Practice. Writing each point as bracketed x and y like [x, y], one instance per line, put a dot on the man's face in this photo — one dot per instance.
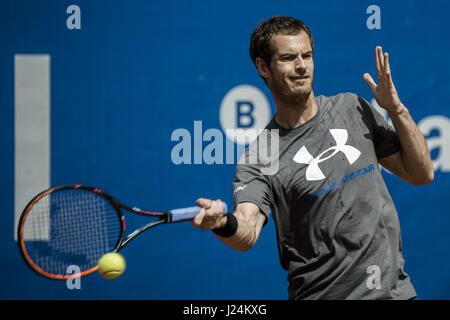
[291, 69]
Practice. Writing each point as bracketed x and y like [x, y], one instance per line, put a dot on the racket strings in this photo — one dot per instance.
[70, 227]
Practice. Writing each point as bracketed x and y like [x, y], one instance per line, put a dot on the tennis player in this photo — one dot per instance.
[337, 228]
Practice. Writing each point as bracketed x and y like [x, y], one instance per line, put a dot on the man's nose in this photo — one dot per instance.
[300, 64]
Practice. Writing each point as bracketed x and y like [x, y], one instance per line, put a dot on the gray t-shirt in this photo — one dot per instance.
[337, 228]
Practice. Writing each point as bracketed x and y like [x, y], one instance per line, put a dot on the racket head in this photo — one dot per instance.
[69, 225]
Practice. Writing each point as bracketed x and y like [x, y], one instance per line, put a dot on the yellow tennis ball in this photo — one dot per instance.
[111, 265]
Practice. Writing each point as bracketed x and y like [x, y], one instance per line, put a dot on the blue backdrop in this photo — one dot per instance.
[138, 70]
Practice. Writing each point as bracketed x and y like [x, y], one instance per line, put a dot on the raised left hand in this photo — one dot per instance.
[384, 92]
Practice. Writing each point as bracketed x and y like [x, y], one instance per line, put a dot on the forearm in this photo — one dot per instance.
[415, 154]
[247, 232]
[240, 231]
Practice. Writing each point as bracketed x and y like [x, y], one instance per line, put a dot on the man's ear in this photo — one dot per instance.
[263, 68]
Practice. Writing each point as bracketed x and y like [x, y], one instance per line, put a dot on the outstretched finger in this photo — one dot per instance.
[370, 82]
[387, 68]
[377, 63]
[380, 59]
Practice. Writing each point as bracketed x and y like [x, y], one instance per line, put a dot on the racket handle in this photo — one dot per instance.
[185, 214]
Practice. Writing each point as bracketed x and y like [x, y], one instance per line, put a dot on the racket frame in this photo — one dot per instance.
[164, 217]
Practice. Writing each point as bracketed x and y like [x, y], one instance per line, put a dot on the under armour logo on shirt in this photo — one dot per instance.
[313, 171]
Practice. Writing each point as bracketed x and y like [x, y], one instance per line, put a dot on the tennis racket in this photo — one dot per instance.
[76, 225]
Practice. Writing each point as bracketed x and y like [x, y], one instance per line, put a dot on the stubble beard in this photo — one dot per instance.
[295, 99]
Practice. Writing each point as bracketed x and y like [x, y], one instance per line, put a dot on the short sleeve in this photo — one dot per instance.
[384, 136]
[250, 185]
